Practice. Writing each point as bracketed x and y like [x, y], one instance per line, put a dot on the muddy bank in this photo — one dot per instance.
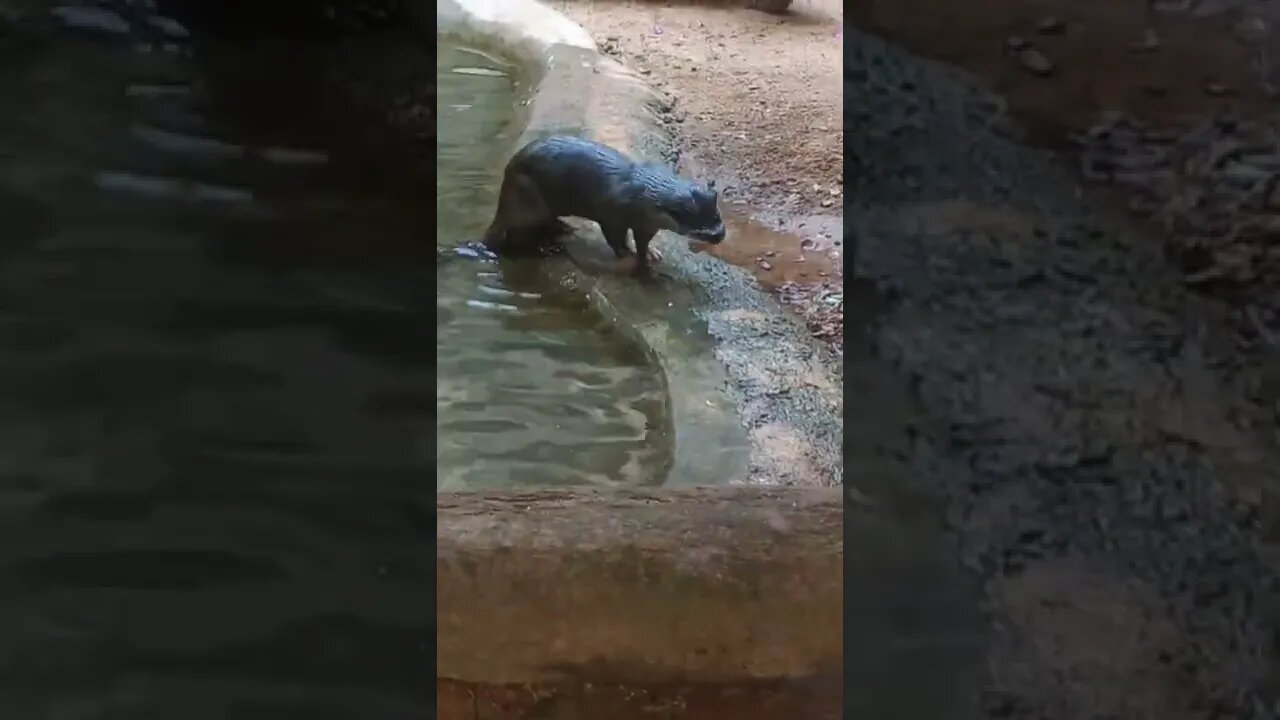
[1099, 442]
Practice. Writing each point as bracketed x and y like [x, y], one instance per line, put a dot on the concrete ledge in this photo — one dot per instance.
[695, 585]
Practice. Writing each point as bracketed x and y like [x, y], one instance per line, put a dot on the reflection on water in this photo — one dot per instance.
[214, 392]
[532, 387]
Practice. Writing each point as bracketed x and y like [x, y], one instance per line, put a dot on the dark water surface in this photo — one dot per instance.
[215, 391]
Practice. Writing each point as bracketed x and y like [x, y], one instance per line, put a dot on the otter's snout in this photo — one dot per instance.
[713, 236]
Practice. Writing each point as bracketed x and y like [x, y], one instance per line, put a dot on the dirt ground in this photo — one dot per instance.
[758, 100]
[1100, 421]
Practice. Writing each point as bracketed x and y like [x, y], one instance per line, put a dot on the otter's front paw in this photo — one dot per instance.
[655, 255]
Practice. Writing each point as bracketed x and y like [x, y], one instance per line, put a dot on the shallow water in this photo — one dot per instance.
[214, 315]
[534, 388]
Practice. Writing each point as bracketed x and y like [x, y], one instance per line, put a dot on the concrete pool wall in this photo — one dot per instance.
[543, 586]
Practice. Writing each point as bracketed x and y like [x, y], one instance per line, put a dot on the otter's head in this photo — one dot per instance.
[694, 212]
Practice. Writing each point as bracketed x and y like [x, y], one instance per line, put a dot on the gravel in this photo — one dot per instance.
[1099, 430]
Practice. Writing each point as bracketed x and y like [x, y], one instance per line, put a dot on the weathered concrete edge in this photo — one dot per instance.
[639, 587]
[787, 389]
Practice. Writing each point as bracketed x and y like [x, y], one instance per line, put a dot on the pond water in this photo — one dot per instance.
[533, 387]
[215, 390]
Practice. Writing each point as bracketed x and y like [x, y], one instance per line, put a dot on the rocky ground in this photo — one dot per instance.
[1096, 370]
[757, 99]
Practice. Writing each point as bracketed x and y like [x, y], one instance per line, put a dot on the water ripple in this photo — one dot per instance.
[213, 390]
[532, 386]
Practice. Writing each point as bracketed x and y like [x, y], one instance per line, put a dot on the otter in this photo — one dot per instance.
[563, 176]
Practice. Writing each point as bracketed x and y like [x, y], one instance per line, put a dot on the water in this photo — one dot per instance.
[533, 387]
[214, 391]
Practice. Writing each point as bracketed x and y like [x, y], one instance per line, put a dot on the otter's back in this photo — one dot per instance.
[575, 176]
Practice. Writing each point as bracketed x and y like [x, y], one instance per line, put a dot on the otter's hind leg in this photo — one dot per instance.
[521, 217]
